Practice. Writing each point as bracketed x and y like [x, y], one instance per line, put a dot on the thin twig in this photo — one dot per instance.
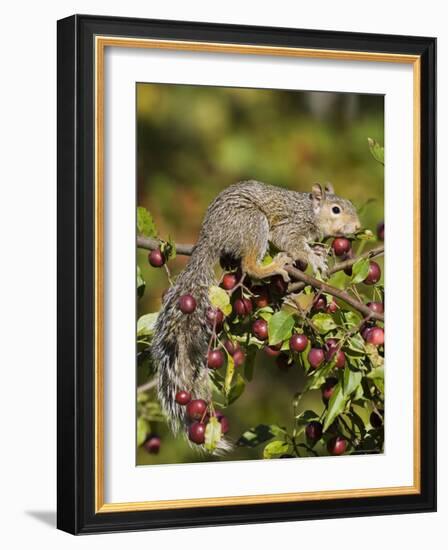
[147, 386]
[340, 266]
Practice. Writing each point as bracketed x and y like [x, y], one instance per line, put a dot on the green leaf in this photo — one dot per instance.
[352, 318]
[168, 249]
[172, 252]
[219, 299]
[145, 223]
[145, 324]
[377, 373]
[213, 434]
[236, 390]
[280, 326]
[360, 270]
[359, 394]
[318, 377]
[229, 375]
[335, 406]
[377, 376]
[143, 429]
[356, 345]
[323, 322]
[351, 381]
[265, 313]
[141, 284]
[255, 436]
[305, 417]
[366, 235]
[304, 357]
[275, 449]
[375, 358]
[358, 422]
[376, 150]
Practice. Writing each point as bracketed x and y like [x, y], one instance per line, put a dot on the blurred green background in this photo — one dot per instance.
[193, 141]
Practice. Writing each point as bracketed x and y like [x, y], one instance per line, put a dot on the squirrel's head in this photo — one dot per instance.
[334, 215]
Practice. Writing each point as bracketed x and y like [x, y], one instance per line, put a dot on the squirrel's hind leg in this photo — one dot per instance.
[254, 245]
[252, 265]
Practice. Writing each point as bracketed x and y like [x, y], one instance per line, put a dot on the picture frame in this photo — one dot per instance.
[82, 195]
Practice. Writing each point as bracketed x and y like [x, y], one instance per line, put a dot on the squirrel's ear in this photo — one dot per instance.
[329, 188]
[317, 195]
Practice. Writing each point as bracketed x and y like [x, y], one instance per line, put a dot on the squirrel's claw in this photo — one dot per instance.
[281, 260]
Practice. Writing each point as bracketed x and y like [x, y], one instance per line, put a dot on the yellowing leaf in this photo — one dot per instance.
[219, 299]
[213, 434]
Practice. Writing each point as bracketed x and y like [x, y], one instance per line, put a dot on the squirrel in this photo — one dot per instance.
[239, 223]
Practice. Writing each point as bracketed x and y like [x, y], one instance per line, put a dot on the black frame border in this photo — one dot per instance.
[76, 262]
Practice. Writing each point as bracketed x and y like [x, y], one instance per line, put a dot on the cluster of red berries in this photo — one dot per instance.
[198, 415]
[198, 411]
[342, 247]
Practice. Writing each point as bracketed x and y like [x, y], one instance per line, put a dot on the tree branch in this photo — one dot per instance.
[373, 253]
[336, 292]
[151, 244]
[186, 249]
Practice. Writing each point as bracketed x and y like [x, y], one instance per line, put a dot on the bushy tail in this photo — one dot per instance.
[180, 343]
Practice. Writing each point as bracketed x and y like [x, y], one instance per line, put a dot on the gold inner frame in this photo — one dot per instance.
[101, 42]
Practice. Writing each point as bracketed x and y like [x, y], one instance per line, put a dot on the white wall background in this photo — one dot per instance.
[28, 270]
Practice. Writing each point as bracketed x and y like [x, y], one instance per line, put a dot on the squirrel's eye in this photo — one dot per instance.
[336, 210]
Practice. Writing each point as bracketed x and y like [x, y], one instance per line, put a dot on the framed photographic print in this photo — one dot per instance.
[246, 274]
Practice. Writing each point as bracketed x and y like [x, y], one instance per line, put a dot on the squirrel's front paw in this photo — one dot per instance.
[280, 261]
[319, 262]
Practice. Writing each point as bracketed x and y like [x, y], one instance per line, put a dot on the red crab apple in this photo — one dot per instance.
[152, 444]
[261, 296]
[224, 421]
[298, 342]
[242, 307]
[279, 284]
[229, 281]
[316, 357]
[215, 359]
[273, 351]
[156, 258]
[196, 409]
[314, 430]
[183, 397]
[341, 246]
[331, 349]
[375, 336]
[187, 303]
[328, 388]
[231, 346]
[196, 432]
[239, 357]
[374, 274]
[377, 307]
[215, 317]
[260, 329]
[337, 445]
[320, 303]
